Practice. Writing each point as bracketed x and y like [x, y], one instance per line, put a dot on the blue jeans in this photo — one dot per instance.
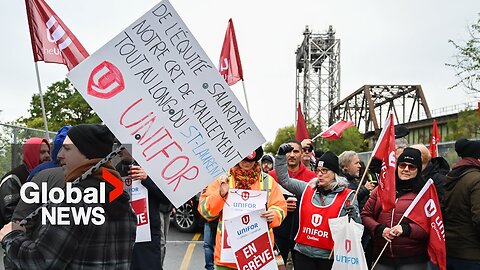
[208, 244]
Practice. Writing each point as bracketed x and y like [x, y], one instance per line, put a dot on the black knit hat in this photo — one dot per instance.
[411, 155]
[330, 161]
[93, 141]
[267, 158]
[255, 155]
[466, 148]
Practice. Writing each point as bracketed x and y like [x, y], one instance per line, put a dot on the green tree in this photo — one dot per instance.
[283, 134]
[466, 126]
[63, 106]
[352, 139]
[467, 66]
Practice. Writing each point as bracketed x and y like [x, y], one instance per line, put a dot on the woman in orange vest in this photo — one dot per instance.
[247, 174]
[324, 197]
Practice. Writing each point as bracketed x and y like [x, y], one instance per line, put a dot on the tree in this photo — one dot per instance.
[283, 134]
[63, 106]
[466, 126]
[468, 60]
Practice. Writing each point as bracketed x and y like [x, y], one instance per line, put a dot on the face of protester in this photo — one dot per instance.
[246, 165]
[294, 157]
[267, 166]
[70, 157]
[44, 152]
[306, 156]
[353, 168]
[406, 170]
[325, 177]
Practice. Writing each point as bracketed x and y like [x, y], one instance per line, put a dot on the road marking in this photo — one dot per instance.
[189, 252]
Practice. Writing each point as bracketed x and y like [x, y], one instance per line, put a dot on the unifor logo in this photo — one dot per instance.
[245, 195]
[105, 81]
[348, 245]
[430, 208]
[316, 220]
[54, 35]
[245, 219]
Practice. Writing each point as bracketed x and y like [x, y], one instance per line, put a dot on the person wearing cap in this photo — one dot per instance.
[326, 195]
[267, 163]
[248, 175]
[407, 241]
[461, 208]
[285, 233]
[106, 245]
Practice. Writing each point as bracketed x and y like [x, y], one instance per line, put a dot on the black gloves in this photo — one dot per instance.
[351, 213]
[284, 149]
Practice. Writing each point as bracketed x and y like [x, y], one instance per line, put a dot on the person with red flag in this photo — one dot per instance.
[461, 205]
[407, 240]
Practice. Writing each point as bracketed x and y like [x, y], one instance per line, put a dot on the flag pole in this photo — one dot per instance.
[41, 102]
[384, 247]
[246, 99]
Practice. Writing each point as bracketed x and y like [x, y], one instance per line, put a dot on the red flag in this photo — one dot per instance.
[434, 140]
[385, 151]
[335, 131]
[302, 132]
[425, 212]
[52, 41]
[230, 66]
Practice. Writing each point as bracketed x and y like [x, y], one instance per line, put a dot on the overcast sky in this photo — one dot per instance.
[382, 42]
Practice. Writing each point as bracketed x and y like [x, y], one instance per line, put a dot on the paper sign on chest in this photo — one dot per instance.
[156, 89]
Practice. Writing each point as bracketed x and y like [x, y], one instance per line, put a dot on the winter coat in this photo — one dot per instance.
[297, 187]
[410, 247]
[437, 169]
[10, 192]
[461, 215]
[289, 227]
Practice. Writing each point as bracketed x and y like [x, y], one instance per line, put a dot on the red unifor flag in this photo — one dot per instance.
[425, 212]
[385, 151]
[52, 41]
[335, 131]
[434, 140]
[301, 132]
[230, 66]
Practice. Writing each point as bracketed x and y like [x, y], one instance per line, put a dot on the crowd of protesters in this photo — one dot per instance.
[300, 181]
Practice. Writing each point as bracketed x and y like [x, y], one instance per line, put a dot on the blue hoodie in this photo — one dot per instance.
[57, 145]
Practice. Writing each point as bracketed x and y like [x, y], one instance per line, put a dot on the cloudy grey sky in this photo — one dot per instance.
[382, 42]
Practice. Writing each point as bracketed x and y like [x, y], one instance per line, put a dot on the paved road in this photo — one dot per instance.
[184, 250]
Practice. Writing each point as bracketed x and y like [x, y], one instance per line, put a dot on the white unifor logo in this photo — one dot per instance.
[430, 208]
[57, 34]
[316, 220]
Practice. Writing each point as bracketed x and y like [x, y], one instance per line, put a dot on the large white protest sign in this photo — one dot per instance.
[156, 89]
[140, 207]
[252, 246]
[239, 202]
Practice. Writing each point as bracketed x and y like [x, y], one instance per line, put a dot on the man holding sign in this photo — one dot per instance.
[246, 175]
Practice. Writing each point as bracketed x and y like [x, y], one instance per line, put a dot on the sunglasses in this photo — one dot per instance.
[308, 150]
[322, 170]
[404, 165]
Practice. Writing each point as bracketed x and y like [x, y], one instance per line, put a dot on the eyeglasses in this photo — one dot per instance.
[404, 165]
[322, 170]
[308, 150]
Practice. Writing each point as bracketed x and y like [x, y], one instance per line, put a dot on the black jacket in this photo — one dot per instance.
[10, 192]
[437, 169]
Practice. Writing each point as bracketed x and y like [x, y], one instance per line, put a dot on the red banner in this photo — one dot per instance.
[302, 131]
[425, 212]
[230, 66]
[434, 140]
[336, 130]
[385, 151]
[140, 209]
[52, 41]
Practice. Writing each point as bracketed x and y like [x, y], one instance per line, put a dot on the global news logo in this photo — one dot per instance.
[84, 206]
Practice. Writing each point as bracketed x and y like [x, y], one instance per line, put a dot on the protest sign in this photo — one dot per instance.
[252, 246]
[156, 89]
[239, 202]
[140, 207]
